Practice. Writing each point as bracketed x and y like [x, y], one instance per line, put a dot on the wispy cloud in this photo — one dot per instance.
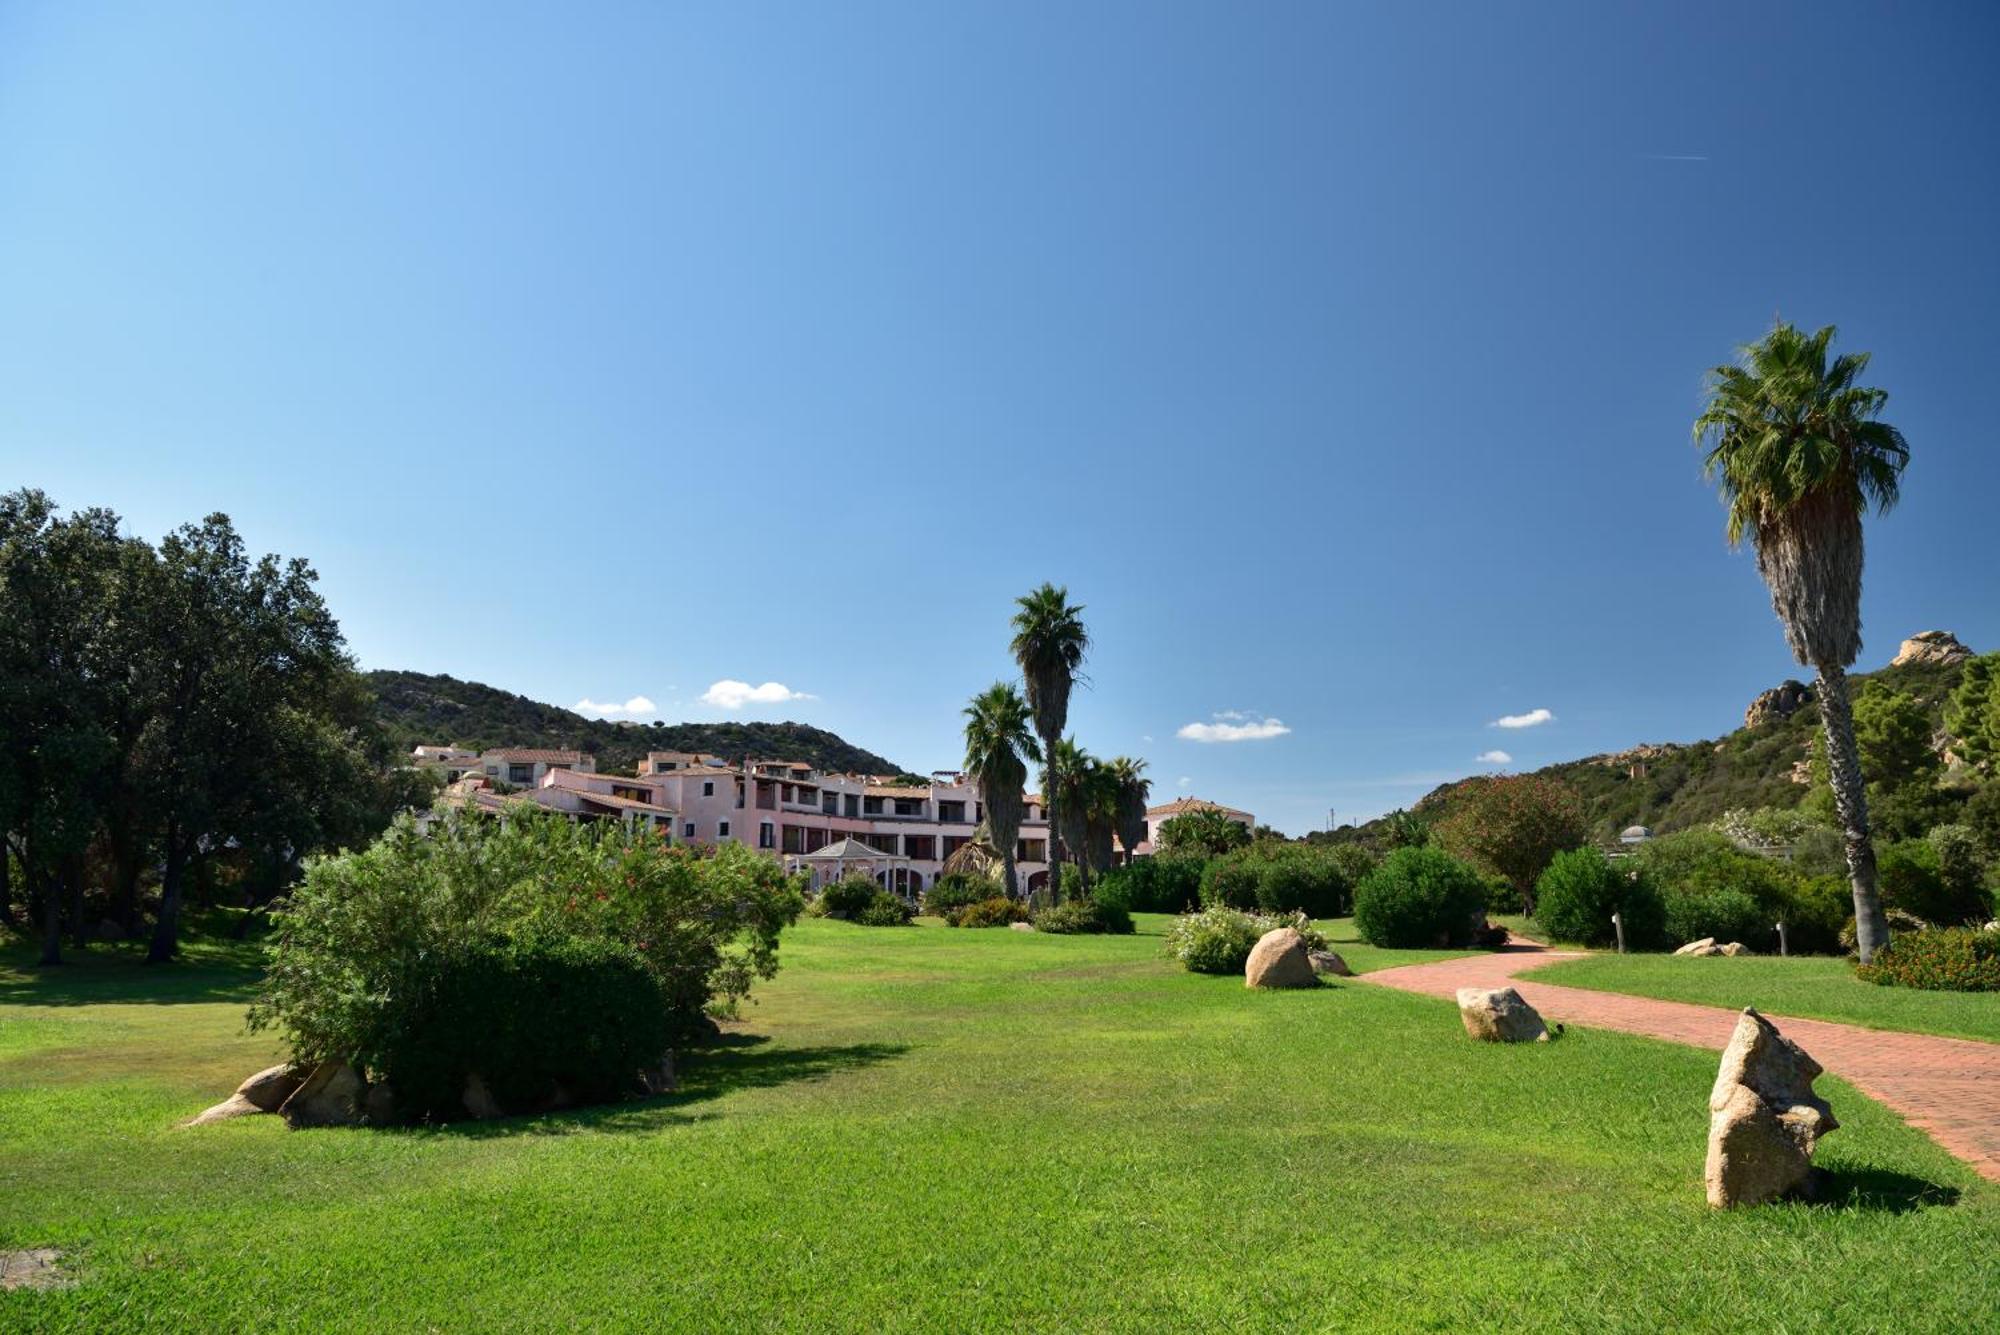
[1183, 781]
[638, 706]
[1495, 758]
[1534, 718]
[1233, 725]
[732, 694]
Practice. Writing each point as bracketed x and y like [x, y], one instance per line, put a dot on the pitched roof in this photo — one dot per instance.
[1182, 805]
[536, 754]
[849, 850]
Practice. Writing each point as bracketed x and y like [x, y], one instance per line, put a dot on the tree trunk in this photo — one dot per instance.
[1850, 803]
[73, 877]
[51, 918]
[166, 931]
[1010, 878]
[7, 918]
[1049, 814]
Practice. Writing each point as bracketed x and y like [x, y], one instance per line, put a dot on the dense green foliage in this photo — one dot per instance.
[358, 942]
[535, 1020]
[1944, 959]
[1581, 889]
[996, 912]
[845, 897]
[1512, 825]
[418, 707]
[182, 725]
[1278, 876]
[1161, 883]
[955, 890]
[1203, 832]
[1420, 896]
[1085, 916]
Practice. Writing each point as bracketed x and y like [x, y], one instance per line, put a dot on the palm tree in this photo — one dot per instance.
[1798, 454]
[1134, 789]
[1049, 644]
[1073, 787]
[999, 744]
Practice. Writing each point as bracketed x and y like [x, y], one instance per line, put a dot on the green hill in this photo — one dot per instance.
[1676, 786]
[417, 708]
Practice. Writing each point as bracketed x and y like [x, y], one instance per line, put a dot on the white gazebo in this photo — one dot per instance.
[831, 863]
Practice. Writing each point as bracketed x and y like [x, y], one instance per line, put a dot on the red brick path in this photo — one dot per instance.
[1950, 1087]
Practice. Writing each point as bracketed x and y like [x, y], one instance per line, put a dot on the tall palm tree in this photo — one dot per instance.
[1070, 790]
[999, 744]
[1049, 644]
[1134, 789]
[1100, 816]
[1799, 454]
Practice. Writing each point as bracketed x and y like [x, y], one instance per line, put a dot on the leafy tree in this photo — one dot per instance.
[1203, 831]
[1972, 715]
[1049, 645]
[1405, 829]
[1513, 825]
[999, 745]
[1893, 732]
[1799, 452]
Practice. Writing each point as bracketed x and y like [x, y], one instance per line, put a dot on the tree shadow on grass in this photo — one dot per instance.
[119, 976]
[1881, 1190]
[731, 1063]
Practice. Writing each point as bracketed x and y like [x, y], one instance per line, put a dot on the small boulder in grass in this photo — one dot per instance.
[1705, 946]
[1764, 1118]
[1735, 948]
[1327, 962]
[1279, 959]
[329, 1096]
[1500, 1015]
[232, 1107]
[270, 1087]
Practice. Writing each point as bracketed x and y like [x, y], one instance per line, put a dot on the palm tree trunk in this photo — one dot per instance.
[1009, 878]
[1049, 814]
[1850, 803]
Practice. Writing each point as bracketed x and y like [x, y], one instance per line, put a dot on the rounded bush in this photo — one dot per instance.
[1230, 881]
[1216, 940]
[1420, 896]
[1163, 883]
[1946, 959]
[846, 897]
[885, 910]
[955, 890]
[996, 912]
[527, 1017]
[1916, 879]
[1576, 896]
[1726, 915]
[1082, 916]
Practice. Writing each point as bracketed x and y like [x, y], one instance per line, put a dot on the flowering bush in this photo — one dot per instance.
[359, 944]
[1946, 959]
[1219, 939]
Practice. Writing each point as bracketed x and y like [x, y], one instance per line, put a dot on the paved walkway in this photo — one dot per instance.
[1950, 1087]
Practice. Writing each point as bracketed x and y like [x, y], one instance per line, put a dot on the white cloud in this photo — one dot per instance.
[637, 706]
[1183, 781]
[1534, 718]
[1495, 758]
[731, 694]
[1146, 737]
[1233, 725]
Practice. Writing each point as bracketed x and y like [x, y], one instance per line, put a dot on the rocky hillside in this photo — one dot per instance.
[1674, 786]
[415, 707]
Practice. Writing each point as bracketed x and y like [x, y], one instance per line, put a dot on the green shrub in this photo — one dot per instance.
[529, 1018]
[1280, 877]
[885, 910]
[1163, 883]
[1946, 959]
[955, 890]
[1230, 881]
[1937, 878]
[1726, 915]
[1219, 939]
[1820, 907]
[1420, 896]
[359, 944]
[1084, 916]
[997, 912]
[846, 897]
[1576, 896]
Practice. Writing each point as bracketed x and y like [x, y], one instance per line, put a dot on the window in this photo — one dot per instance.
[708, 788]
[830, 803]
[722, 830]
[909, 807]
[871, 806]
[520, 774]
[853, 806]
[687, 830]
[951, 813]
[764, 835]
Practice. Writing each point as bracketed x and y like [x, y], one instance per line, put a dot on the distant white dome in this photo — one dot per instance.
[1634, 834]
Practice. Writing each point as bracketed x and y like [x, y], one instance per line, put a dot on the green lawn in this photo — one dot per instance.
[928, 1129]
[1814, 987]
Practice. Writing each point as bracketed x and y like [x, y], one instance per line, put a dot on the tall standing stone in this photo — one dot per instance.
[1764, 1118]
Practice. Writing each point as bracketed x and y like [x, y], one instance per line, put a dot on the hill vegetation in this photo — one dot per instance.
[416, 707]
[1679, 786]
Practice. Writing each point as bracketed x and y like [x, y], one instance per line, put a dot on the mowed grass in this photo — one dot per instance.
[1813, 987]
[925, 1129]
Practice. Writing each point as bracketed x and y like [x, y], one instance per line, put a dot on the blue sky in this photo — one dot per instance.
[1340, 359]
